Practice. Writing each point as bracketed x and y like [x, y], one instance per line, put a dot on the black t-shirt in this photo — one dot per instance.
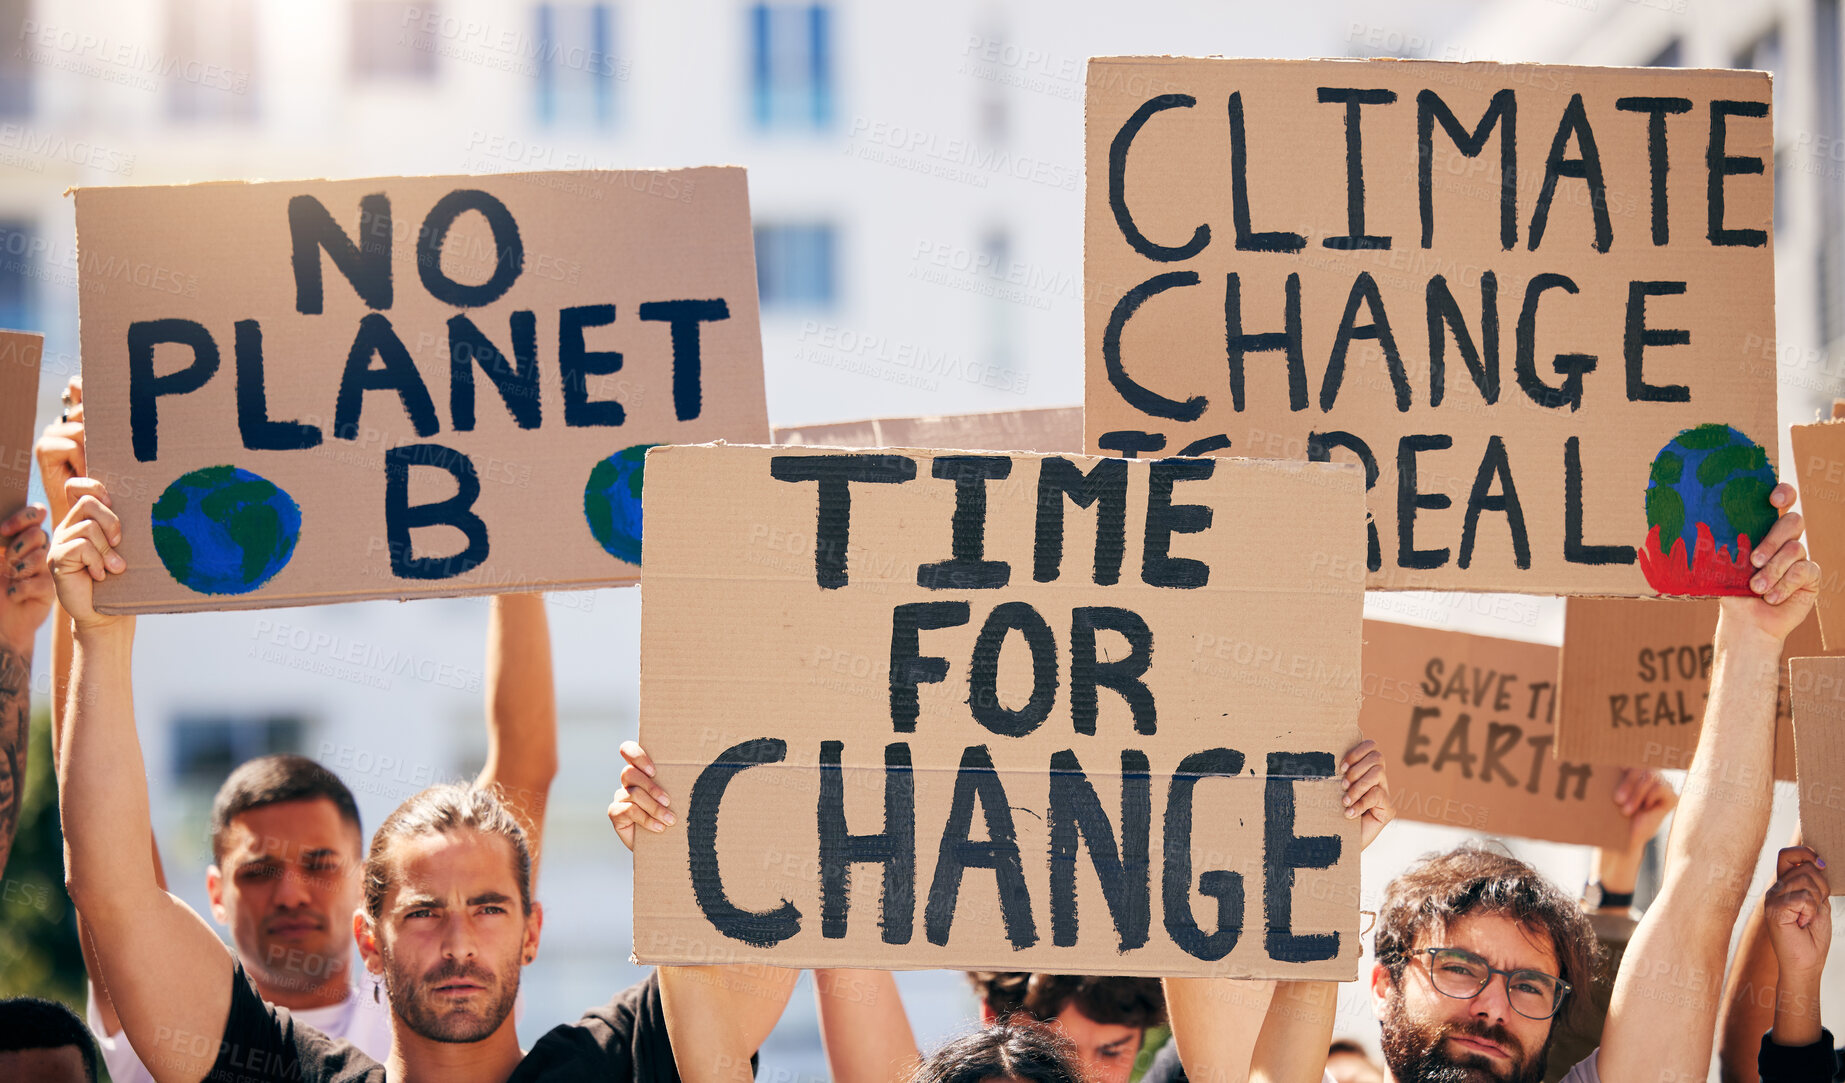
[624, 1040]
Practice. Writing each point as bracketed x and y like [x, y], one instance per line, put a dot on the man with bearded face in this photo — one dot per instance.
[1480, 961]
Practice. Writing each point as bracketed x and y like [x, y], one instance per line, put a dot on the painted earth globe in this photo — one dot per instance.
[224, 530]
[612, 502]
[1706, 509]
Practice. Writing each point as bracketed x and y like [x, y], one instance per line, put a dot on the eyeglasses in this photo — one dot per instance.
[1461, 974]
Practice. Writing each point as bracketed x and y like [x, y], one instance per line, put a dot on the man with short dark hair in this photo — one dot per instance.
[42, 1041]
[1479, 957]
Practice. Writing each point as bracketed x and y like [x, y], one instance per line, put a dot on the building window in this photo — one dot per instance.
[1001, 315]
[394, 41]
[1764, 54]
[19, 259]
[577, 68]
[1671, 56]
[795, 265]
[206, 749]
[1829, 117]
[16, 61]
[791, 66]
[212, 44]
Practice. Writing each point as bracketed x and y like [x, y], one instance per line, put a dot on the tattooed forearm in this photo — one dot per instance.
[15, 704]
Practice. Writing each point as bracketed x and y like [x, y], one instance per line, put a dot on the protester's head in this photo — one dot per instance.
[1347, 1062]
[449, 918]
[1103, 1017]
[1028, 1053]
[1444, 1015]
[286, 850]
[42, 1041]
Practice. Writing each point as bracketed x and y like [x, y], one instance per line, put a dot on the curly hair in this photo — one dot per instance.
[1129, 1002]
[1029, 1052]
[1475, 879]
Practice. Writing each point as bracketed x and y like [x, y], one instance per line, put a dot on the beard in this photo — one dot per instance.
[442, 1018]
[1417, 1052]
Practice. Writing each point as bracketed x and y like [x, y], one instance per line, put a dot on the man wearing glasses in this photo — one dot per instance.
[1449, 930]
[1479, 958]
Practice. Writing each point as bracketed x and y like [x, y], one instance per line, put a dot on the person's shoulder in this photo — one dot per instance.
[263, 1042]
[367, 1025]
[624, 1039]
[1587, 1070]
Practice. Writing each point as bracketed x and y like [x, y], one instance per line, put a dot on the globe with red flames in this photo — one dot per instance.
[1706, 509]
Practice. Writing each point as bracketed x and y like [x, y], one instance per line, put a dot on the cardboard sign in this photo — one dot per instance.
[1819, 460]
[1636, 676]
[1054, 429]
[319, 391]
[1518, 295]
[1819, 733]
[1466, 725]
[20, 352]
[1053, 713]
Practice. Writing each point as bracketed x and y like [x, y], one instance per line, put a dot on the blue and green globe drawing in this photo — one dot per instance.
[1706, 509]
[224, 530]
[612, 502]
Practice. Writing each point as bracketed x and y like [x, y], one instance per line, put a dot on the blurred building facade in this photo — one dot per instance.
[916, 177]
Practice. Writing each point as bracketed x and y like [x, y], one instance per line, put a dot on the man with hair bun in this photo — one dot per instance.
[1107, 1019]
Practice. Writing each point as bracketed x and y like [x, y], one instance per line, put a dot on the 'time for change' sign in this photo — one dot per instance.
[976, 710]
[1535, 303]
[318, 391]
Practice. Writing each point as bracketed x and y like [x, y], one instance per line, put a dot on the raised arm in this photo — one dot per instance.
[1798, 916]
[521, 712]
[863, 1027]
[166, 971]
[1663, 1015]
[1748, 1008]
[717, 1016]
[1275, 1032]
[60, 452]
[23, 606]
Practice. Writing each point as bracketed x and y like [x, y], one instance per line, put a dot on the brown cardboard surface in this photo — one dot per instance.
[1466, 725]
[1819, 733]
[1053, 429]
[1176, 275]
[1635, 678]
[740, 643]
[1819, 461]
[221, 254]
[20, 352]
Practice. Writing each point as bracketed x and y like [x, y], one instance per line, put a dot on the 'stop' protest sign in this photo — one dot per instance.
[1505, 290]
[317, 391]
[20, 355]
[934, 709]
[1636, 679]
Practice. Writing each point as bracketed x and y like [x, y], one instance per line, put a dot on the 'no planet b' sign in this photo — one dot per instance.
[320, 391]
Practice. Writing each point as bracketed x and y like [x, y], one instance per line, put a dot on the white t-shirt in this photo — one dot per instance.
[358, 1019]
